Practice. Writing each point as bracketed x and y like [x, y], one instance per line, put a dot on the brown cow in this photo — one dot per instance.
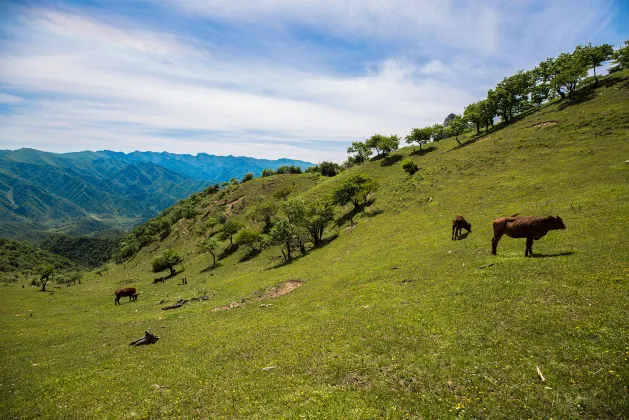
[126, 291]
[531, 228]
[458, 224]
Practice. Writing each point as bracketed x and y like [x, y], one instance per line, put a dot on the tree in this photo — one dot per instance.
[282, 193]
[355, 190]
[593, 57]
[282, 234]
[420, 136]
[457, 127]
[249, 238]
[230, 228]
[248, 177]
[389, 144]
[375, 142]
[409, 166]
[267, 172]
[295, 210]
[46, 273]
[264, 213]
[167, 261]
[571, 69]
[621, 56]
[210, 224]
[318, 215]
[473, 113]
[329, 169]
[361, 150]
[210, 245]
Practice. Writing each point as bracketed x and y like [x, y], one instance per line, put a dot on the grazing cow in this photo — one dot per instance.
[126, 291]
[458, 224]
[531, 228]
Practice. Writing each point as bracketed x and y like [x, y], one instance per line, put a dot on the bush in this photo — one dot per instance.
[268, 172]
[248, 177]
[409, 166]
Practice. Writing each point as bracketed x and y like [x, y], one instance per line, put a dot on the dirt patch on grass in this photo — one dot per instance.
[271, 293]
[544, 124]
[230, 205]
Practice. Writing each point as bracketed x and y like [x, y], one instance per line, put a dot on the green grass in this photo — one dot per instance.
[394, 318]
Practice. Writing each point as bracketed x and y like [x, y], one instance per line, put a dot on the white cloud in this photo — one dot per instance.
[79, 82]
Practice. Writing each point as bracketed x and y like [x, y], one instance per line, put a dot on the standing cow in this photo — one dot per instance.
[126, 291]
[458, 224]
[531, 228]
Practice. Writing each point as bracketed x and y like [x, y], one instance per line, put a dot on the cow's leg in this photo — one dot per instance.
[453, 232]
[494, 242]
[117, 301]
[529, 247]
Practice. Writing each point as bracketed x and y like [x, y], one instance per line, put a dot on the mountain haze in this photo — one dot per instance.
[85, 192]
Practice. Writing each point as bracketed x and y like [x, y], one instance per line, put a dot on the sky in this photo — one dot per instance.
[297, 79]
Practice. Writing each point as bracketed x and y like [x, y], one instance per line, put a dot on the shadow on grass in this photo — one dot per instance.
[326, 241]
[390, 160]
[423, 151]
[250, 255]
[462, 236]
[373, 213]
[347, 217]
[211, 268]
[228, 251]
[558, 254]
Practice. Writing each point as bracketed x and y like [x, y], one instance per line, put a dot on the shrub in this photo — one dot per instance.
[409, 166]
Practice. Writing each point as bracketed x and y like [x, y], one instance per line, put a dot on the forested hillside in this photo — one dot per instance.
[386, 316]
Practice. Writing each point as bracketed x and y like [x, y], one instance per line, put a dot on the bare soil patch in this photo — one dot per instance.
[271, 293]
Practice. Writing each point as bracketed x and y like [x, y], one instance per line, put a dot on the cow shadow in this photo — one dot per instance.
[557, 254]
[462, 236]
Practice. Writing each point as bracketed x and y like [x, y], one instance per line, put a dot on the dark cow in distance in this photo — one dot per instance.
[531, 228]
[126, 291]
[458, 224]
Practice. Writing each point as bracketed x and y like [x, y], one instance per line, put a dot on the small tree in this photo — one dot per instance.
[355, 190]
[621, 56]
[361, 153]
[318, 215]
[210, 245]
[249, 238]
[473, 114]
[267, 172]
[283, 235]
[409, 166]
[389, 144]
[282, 193]
[230, 228]
[248, 177]
[46, 273]
[593, 57]
[457, 127]
[264, 213]
[210, 224]
[295, 210]
[167, 261]
[329, 168]
[420, 136]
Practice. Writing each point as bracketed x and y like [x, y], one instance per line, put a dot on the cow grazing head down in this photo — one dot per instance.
[556, 223]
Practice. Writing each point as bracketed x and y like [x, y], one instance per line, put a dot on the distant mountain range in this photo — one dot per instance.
[86, 192]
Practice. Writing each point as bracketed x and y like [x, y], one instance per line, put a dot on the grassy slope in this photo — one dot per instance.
[394, 318]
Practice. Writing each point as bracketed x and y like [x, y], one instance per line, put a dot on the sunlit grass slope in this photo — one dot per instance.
[394, 318]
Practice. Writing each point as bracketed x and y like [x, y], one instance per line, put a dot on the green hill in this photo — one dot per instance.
[392, 318]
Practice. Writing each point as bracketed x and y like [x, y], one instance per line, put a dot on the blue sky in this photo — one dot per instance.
[266, 78]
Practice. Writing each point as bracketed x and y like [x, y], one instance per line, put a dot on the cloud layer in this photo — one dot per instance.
[264, 78]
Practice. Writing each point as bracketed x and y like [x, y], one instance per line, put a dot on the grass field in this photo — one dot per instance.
[393, 319]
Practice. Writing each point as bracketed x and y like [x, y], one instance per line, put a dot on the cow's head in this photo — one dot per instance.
[556, 222]
[468, 227]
